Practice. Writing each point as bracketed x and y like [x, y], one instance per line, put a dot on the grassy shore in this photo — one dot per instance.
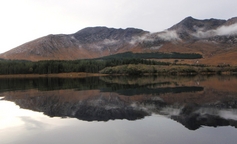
[141, 69]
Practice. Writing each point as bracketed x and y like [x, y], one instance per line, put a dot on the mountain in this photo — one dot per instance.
[215, 39]
[86, 43]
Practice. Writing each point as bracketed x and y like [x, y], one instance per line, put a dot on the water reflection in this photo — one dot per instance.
[192, 101]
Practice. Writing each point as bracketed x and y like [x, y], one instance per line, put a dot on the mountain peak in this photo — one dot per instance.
[189, 18]
[97, 29]
[95, 34]
[190, 25]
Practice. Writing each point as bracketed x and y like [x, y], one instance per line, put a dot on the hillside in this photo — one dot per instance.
[214, 39]
[86, 43]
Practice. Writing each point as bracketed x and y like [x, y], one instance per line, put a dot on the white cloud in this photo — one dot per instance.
[227, 30]
[168, 35]
[221, 31]
[109, 42]
[138, 39]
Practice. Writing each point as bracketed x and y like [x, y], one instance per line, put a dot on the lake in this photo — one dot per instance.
[119, 110]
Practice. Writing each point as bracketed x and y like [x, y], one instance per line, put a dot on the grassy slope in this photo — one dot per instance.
[163, 69]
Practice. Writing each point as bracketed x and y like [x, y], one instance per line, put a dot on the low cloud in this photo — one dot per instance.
[221, 31]
[227, 30]
[165, 36]
[169, 35]
[138, 39]
[109, 42]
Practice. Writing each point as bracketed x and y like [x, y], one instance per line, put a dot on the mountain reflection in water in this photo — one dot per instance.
[191, 101]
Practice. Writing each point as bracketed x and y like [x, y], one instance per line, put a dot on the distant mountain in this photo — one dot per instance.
[215, 39]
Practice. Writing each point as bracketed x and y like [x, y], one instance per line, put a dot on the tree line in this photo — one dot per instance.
[59, 66]
[155, 55]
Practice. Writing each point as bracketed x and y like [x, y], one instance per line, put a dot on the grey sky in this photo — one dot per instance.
[25, 20]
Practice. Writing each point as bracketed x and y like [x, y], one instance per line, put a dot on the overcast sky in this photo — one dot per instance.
[26, 20]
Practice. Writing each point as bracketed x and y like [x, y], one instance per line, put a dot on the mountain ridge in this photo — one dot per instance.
[209, 37]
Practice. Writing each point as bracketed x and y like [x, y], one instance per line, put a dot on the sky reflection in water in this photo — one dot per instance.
[34, 127]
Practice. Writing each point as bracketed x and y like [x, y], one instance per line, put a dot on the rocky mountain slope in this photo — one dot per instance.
[215, 39]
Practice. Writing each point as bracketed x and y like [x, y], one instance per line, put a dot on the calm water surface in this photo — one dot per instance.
[119, 110]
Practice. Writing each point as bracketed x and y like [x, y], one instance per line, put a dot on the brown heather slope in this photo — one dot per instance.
[213, 54]
[225, 58]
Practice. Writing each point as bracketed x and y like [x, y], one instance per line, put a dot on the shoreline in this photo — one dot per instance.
[83, 75]
[59, 75]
